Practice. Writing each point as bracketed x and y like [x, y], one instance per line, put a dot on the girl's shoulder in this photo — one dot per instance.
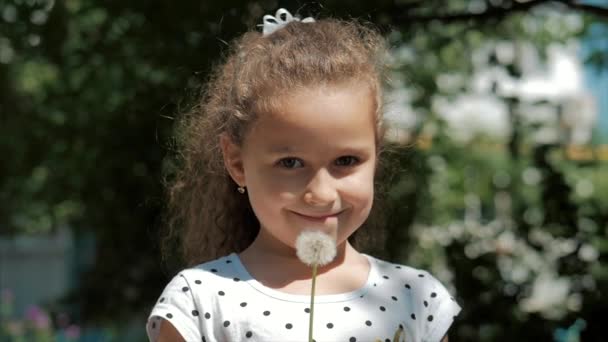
[431, 307]
[418, 284]
[187, 296]
[402, 272]
[213, 270]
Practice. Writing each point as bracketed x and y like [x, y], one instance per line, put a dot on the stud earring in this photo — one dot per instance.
[241, 189]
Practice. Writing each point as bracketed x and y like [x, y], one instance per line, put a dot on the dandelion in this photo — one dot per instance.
[314, 248]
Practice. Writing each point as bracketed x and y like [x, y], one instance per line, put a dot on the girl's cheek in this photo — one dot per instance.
[362, 192]
[286, 196]
[362, 182]
[282, 184]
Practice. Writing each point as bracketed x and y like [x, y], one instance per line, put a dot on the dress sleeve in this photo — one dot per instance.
[441, 307]
[176, 305]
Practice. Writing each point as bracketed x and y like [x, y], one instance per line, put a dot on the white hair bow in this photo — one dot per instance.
[281, 18]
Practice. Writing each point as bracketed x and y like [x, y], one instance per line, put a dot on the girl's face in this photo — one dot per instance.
[310, 165]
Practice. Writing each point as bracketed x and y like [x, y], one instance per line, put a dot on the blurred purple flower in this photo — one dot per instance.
[38, 316]
[72, 332]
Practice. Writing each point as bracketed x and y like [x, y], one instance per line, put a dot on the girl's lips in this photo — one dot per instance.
[317, 217]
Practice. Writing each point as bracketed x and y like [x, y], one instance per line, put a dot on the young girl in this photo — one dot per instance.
[287, 138]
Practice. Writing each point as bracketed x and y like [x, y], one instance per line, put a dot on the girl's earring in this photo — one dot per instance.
[241, 189]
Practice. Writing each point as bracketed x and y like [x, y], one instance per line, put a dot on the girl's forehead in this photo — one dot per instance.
[355, 87]
[323, 97]
[344, 114]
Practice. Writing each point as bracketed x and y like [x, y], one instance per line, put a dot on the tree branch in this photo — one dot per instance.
[498, 12]
[494, 12]
[591, 9]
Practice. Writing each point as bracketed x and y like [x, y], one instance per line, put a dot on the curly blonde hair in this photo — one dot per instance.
[205, 216]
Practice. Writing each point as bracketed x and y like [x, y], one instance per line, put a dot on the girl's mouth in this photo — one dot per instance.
[318, 217]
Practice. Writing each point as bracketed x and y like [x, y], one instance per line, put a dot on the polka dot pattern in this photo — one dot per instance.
[221, 297]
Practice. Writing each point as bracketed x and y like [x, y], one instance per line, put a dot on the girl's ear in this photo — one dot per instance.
[233, 159]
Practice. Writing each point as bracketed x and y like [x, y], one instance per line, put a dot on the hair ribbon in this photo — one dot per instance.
[281, 18]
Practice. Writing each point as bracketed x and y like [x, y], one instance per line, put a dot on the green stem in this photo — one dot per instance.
[312, 301]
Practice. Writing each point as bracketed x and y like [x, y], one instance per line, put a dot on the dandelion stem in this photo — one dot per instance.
[397, 337]
[312, 301]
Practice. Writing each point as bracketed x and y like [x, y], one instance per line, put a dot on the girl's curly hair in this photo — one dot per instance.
[205, 216]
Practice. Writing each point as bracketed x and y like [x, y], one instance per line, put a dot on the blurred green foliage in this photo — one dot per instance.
[88, 90]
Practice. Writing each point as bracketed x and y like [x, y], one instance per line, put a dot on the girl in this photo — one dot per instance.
[287, 138]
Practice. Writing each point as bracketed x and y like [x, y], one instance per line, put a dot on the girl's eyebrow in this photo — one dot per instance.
[281, 149]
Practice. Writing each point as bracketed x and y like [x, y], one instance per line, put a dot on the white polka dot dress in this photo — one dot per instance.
[220, 301]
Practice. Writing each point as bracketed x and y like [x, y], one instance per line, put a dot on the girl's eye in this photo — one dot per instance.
[347, 161]
[290, 163]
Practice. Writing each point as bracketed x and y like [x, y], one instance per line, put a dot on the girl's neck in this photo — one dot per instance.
[279, 270]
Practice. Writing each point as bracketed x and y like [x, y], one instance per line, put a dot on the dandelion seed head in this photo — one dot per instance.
[315, 247]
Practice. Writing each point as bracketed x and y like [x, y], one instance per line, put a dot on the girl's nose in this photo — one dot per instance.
[321, 189]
